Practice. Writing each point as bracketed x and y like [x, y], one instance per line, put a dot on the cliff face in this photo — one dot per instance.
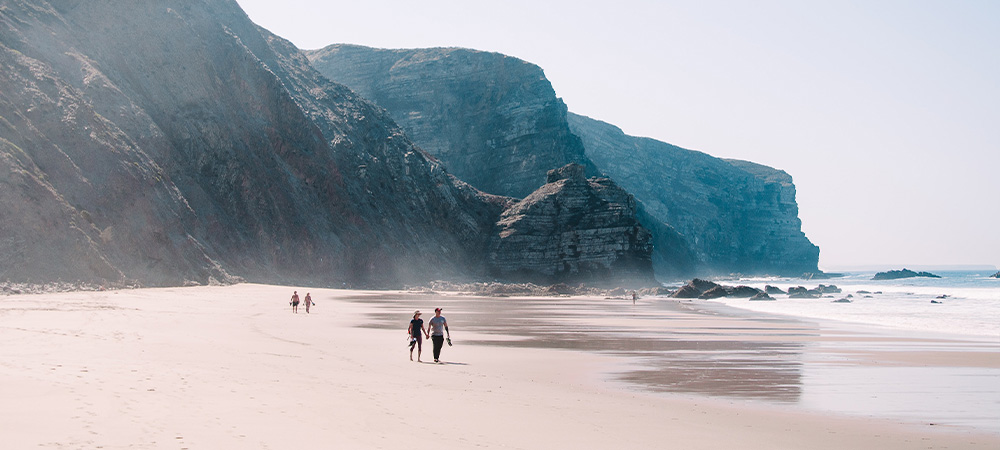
[176, 141]
[493, 120]
[496, 121]
[737, 216]
[573, 228]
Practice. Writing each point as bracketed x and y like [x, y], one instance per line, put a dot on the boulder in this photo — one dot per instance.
[694, 288]
[761, 296]
[802, 292]
[744, 292]
[831, 289]
[686, 291]
[996, 275]
[716, 292]
[773, 290]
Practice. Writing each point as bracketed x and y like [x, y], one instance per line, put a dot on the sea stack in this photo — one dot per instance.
[572, 228]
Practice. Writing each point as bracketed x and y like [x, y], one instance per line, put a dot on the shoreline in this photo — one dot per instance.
[214, 367]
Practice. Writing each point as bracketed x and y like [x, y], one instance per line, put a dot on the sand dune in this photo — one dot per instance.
[232, 367]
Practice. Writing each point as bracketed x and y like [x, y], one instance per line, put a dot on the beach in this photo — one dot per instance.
[233, 367]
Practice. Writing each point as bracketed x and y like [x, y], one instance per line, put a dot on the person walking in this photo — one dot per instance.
[438, 328]
[295, 302]
[309, 302]
[415, 333]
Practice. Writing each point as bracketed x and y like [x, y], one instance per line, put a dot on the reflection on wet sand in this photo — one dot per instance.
[667, 348]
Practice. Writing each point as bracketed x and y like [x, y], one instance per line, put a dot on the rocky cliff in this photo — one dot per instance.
[175, 141]
[737, 216]
[573, 228]
[492, 119]
[496, 120]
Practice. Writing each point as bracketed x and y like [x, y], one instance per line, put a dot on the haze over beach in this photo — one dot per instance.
[177, 178]
[883, 112]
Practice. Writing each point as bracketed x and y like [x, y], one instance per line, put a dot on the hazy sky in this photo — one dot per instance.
[886, 113]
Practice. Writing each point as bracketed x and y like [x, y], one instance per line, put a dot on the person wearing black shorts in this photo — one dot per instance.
[415, 333]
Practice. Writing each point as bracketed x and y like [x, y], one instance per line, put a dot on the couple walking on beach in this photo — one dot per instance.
[436, 329]
[295, 302]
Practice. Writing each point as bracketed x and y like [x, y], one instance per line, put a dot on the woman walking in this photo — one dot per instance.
[309, 302]
[415, 333]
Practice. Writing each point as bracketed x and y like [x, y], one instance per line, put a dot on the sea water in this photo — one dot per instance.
[960, 302]
[966, 303]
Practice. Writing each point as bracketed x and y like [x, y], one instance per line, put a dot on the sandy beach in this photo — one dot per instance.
[232, 367]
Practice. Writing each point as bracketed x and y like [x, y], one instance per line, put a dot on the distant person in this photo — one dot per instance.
[634, 295]
[295, 302]
[438, 326]
[416, 334]
[309, 302]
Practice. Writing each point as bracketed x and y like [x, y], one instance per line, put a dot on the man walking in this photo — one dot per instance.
[439, 327]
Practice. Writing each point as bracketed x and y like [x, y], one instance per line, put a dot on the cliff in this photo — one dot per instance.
[496, 121]
[572, 229]
[492, 119]
[737, 216]
[173, 142]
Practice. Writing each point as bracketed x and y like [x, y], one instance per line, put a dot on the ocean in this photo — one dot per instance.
[970, 303]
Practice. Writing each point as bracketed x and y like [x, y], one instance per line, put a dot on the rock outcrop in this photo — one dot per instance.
[773, 290]
[730, 291]
[492, 119]
[996, 275]
[173, 142]
[495, 122]
[905, 273]
[695, 288]
[803, 292]
[573, 228]
[737, 216]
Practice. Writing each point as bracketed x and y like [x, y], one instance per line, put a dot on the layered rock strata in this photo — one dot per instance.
[573, 228]
[736, 216]
[175, 141]
[494, 120]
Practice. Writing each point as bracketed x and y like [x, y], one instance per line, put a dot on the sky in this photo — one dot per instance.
[886, 113]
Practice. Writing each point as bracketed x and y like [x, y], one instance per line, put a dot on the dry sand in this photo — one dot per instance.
[232, 367]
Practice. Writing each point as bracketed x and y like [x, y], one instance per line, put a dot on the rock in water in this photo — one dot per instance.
[773, 290]
[716, 292]
[695, 288]
[905, 273]
[802, 292]
[996, 275]
[573, 228]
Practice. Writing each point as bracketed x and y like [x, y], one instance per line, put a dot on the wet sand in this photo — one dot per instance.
[232, 367]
